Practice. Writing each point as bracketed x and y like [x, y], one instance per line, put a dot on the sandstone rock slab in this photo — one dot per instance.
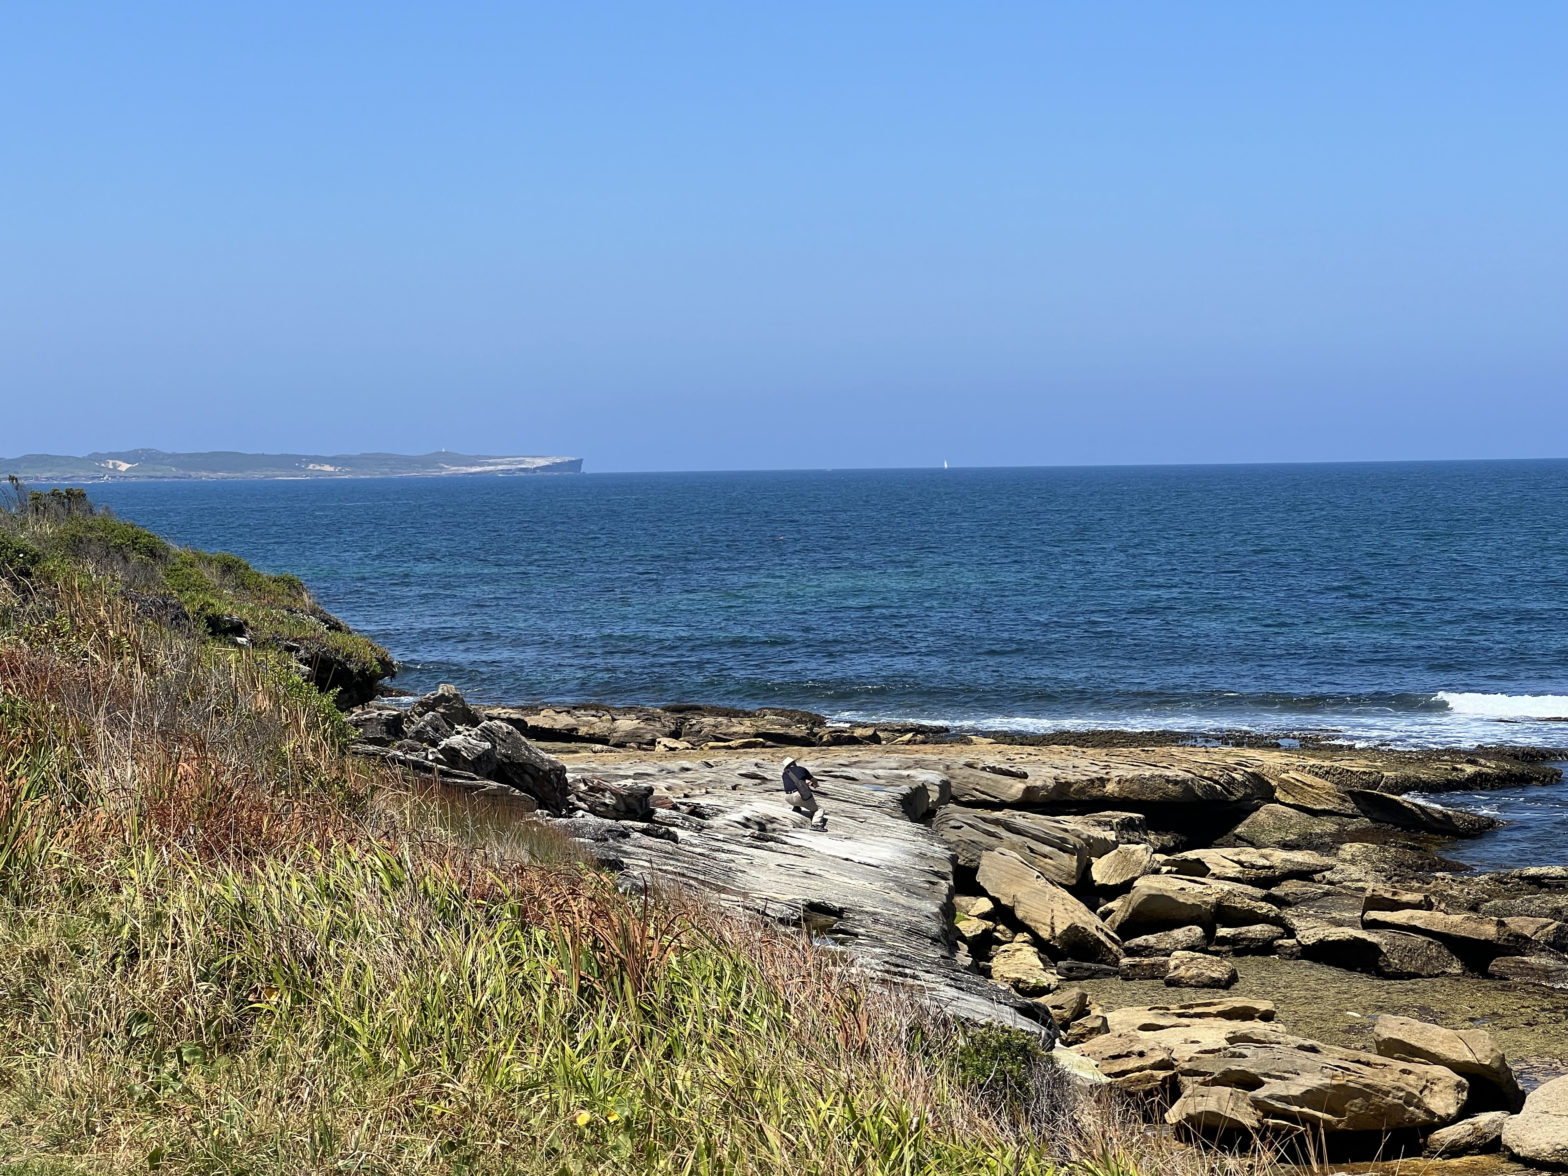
[1470, 1053]
[1539, 1133]
[1059, 919]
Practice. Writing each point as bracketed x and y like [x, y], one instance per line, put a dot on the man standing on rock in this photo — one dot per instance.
[797, 790]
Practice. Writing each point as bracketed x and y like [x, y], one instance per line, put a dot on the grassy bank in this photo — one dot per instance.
[226, 946]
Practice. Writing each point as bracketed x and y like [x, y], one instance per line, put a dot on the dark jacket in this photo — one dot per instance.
[798, 779]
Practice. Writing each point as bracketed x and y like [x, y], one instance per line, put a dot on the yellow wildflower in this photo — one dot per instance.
[583, 1118]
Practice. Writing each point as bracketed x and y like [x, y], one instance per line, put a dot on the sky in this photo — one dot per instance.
[760, 235]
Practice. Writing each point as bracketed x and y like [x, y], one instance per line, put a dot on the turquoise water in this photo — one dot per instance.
[1418, 604]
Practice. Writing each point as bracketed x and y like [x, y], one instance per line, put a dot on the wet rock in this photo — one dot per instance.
[445, 701]
[1059, 919]
[1124, 864]
[1468, 1137]
[1189, 969]
[1539, 1133]
[1470, 1053]
[1420, 818]
[1163, 943]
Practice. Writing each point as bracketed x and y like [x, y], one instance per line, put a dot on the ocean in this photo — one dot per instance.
[1414, 604]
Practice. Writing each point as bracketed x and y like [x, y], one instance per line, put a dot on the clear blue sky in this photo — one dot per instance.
[753, 235]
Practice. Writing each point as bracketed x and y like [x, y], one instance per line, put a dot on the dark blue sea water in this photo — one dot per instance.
[1417, 604]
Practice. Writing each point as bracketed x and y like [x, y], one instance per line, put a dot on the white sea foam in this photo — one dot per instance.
[1507, 706]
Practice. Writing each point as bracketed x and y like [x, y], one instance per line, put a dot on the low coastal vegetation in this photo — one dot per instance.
[228, 946]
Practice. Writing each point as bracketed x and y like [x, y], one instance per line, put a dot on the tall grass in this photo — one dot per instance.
[225, 946]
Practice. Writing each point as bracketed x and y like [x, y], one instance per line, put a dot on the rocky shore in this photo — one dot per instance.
[1164, 916]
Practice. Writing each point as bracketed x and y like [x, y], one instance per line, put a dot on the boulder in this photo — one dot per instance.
[1312, 793]
[1189, 969]
[1387, 809]
[429, 729]
[1256, 867]
[1214, 1110]
[1162, 943]
[467, 753]
[523, 766]
[1470, 1053]
[1059, 919]
[1539, 1133]
[1047, 845]
[1475, 935]
[380, 725]
[1547, 972]
[975, 932]
[1122, 865]
[1468, 1137]
[1390, 954]
[1413, 957]
[1288, 1080]
[445, 701]
[1281, 827]
[1066, 1005]
[1256, 939]
[1161, 900]
[613, 801]
[1019, 966]
[1158, 902]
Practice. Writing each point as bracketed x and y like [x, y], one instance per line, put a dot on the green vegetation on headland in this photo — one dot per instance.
[226, 946]
[155, 464]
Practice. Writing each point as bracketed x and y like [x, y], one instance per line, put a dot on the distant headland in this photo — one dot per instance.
[150, 464]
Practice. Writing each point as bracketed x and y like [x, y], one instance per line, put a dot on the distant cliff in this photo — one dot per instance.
[135, 464]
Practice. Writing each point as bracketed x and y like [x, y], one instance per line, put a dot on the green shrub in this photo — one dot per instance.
[999, 1063]
[18, 558]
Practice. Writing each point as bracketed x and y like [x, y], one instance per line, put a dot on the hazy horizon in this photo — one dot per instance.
[708, 237]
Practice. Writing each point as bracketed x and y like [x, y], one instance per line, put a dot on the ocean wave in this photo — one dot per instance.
[1507, 706]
